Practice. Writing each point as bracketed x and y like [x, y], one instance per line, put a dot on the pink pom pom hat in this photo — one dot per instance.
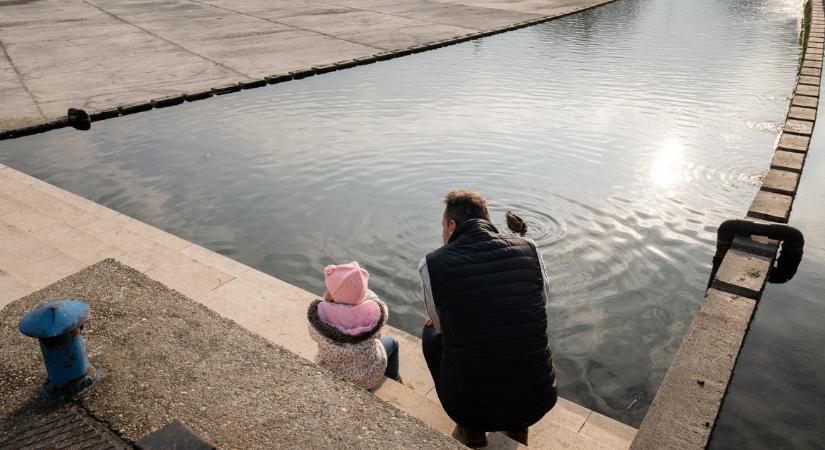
[346, 283]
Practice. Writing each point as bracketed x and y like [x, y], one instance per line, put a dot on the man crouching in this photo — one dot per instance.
[485, 341]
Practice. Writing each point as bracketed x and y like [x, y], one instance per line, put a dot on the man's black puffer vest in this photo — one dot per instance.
[496, 370]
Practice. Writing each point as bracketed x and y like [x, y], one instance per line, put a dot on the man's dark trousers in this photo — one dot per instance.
[431, 343]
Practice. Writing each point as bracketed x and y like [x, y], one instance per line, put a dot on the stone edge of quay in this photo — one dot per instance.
[673, 421]
[236, 86]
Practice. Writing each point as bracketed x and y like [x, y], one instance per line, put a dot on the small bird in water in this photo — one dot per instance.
[515, 223]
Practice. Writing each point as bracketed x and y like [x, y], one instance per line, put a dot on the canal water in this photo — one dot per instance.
[624, 135]
[777, 394]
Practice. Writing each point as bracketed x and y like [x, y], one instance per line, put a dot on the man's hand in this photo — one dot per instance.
[429, 322]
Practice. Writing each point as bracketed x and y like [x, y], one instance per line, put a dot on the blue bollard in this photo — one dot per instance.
[57, 326]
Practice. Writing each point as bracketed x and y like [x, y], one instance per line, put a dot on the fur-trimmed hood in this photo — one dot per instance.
[330, 332]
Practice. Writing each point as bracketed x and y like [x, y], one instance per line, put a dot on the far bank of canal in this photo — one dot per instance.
[624, 134]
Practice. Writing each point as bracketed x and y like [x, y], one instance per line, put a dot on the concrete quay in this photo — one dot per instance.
[47, 234]
[164, 357]
[684, 412]
[114, 57]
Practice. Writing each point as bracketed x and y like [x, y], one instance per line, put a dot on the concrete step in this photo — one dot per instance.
[407, 400]
[48, 233]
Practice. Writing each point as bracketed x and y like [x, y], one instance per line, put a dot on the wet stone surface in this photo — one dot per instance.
[812, 62]
[802, 113]
[771, 206]
[742, 273]
[165, 357]
[799, 126]
[788, 160]
[781, 182]
[801, 100]
[807, 89]
[793, 142]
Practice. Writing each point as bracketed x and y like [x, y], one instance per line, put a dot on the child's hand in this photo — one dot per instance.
[429, 322]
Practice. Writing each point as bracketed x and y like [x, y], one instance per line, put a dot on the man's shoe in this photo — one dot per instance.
[470, 438]
[517, 435]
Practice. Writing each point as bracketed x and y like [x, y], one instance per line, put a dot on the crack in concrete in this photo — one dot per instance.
[21, 80]
[101, 9]
[286, 25]
[431, 22]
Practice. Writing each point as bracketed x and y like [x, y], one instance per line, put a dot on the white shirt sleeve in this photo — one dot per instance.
[546, 293]
[427, 290]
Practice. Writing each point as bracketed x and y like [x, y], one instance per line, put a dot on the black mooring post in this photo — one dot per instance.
[789, 256]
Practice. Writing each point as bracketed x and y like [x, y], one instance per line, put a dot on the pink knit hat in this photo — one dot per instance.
[346, 283]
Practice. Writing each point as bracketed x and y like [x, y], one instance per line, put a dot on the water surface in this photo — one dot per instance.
[624, 135]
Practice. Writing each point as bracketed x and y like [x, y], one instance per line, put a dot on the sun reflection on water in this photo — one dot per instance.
[666, 170]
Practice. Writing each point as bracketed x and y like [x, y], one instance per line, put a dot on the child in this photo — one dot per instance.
[347, 327]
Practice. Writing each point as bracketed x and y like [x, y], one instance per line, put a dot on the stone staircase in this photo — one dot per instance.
[47, 233]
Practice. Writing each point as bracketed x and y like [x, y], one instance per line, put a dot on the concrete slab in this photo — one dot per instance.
[742, 273]
[781, 182]
[190, 277]
[132, 248]
[264, 311]
[12, 288]
[814, 53]
[771, 206]
[607, 431]
[566, 414]
[431, 413]
[58, 234]
[807, 79]
[23, 193]
[377, 30]
[788, 161]
[798, 126]
[812, 62]
[798, 113]
[31, 260]
[552, 436]
[19, 107]
[541, 7]
[460, 15]
[416, 375]
[801, 100]
[807, 89]
[102, 54]
[415, 405]
[793, 143]
[76, 208]
[273, 10]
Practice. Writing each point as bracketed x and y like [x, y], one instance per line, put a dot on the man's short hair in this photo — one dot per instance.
[465, 205]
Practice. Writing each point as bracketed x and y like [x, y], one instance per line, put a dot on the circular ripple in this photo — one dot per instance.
[542, 226]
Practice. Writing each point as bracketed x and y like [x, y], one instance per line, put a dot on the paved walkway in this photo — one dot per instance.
[101, 54]
[47, 233]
